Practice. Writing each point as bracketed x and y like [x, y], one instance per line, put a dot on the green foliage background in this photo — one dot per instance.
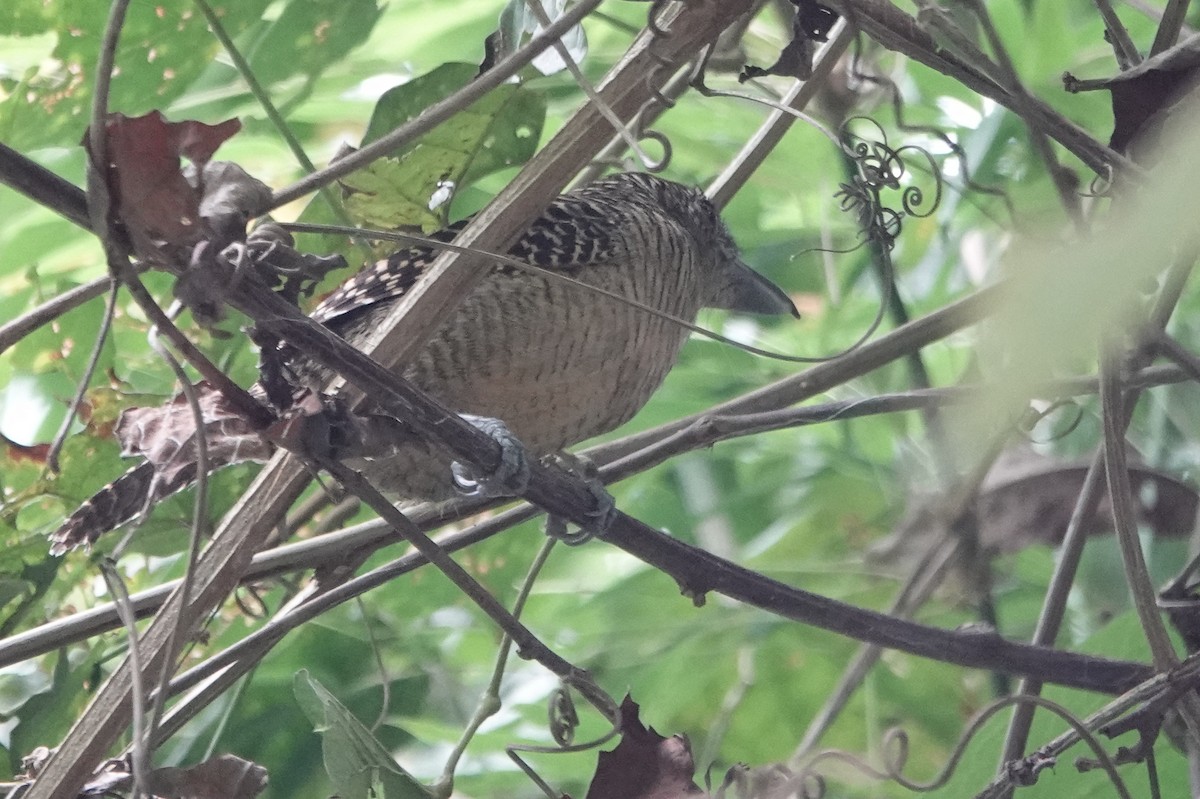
[801, 505]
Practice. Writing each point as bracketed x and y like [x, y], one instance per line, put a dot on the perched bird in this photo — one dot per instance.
[555, 362]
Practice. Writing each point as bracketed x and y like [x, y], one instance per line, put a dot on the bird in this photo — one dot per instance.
[556, 363]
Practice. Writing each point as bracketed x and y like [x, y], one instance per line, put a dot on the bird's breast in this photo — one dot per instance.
[557, 363]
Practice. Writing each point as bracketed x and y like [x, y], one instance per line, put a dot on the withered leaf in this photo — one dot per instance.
[1144, 96]
[166, 435]
[811, 22]
[153, 198]
[1029, 498]
[645, 765]
[223, 777]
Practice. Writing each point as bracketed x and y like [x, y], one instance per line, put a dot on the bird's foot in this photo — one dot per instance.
[602, 514]
[511, 475]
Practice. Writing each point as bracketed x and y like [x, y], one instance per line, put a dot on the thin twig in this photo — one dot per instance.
[332, 199]
[256, 89]
[587, 88]
[98, 195]
[555, 276]
[385, 679]
[490, 704]
[929, 573]
[85, 380]
[1124, 49]
[141, 757]
[240, 399]
[468, 585]
[199, 519]
[1063, 185]
[47, 312]
[1170, 26]
[43, 187]
[1186, 360]
[1120, 493]
[1137, 574]
[779, 121]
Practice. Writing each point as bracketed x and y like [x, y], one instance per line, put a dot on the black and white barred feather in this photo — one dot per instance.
[557, 363]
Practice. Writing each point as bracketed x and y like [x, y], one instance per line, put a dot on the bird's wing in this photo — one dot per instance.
[575, 231]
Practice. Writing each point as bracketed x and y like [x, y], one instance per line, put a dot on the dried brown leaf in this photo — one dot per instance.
[153, 198]
[166, 435]
[645, 765]
[1143, 97]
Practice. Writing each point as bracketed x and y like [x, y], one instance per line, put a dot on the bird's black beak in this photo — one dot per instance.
[749, 292]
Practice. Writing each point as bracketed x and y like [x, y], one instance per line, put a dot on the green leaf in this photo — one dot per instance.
[502, 129]
[24, 18]
[47, 716]
[314, 34]
[357, 763]
[163, 48]
[517, 20]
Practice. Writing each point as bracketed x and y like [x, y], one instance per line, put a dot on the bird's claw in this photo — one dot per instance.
[511, 475]
[601, 516]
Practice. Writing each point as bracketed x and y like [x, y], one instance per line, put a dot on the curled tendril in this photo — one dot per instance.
[658, 100]
[1101, 185]
[956, 151]
[880, 168]
[652, 25]
[639, 126]
[895, 750]
[251, 602]
[1033, 417]
[562, 717]
[564, 720]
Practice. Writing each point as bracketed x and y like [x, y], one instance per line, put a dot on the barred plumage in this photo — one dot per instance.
[557, 363]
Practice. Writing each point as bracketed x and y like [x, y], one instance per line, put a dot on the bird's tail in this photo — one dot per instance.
[166, 436]
[118, 502]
